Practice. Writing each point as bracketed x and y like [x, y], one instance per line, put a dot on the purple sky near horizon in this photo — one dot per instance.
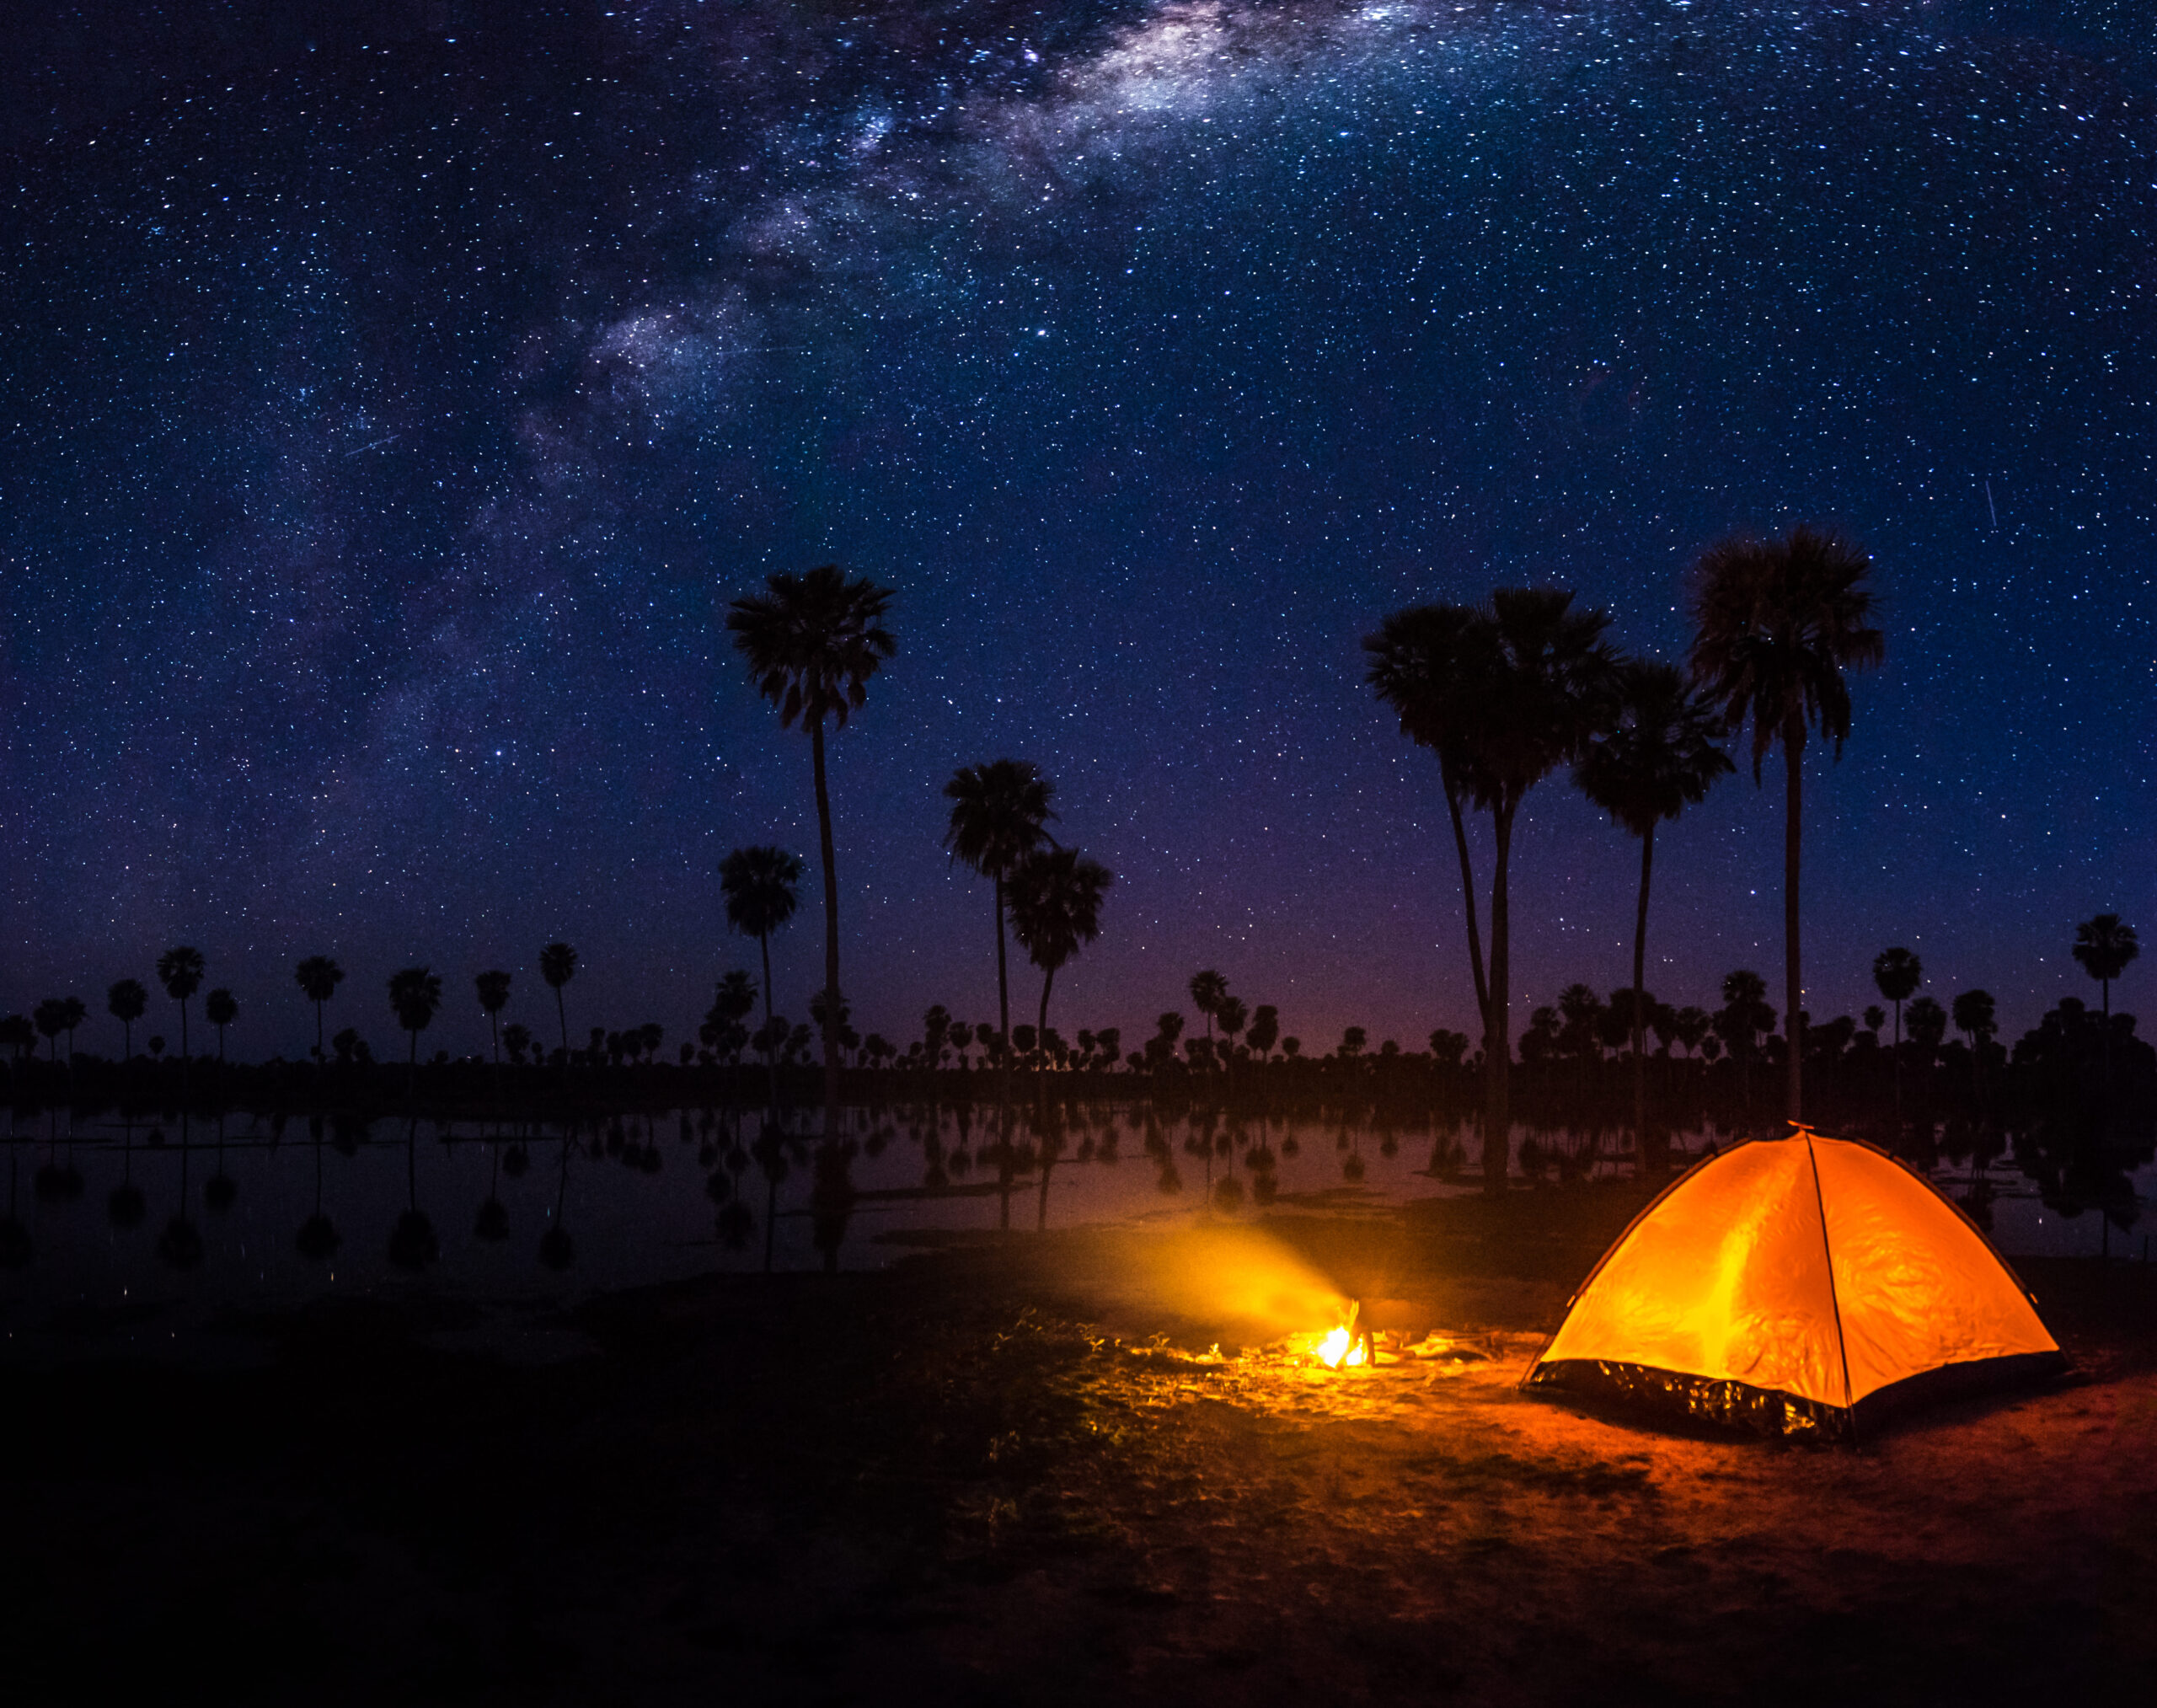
[395, 392]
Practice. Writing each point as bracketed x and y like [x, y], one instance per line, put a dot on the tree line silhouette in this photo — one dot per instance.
[1503, 693]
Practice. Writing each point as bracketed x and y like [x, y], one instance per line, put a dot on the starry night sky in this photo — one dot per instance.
[394, 393]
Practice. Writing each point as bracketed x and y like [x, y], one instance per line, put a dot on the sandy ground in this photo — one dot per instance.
[1016, 1474]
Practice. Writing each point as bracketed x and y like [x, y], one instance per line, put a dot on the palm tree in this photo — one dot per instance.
[72, 1015]
[1660, 757]
[759, 884]
[1975, 1018]
[492, 989]
[1896, 974]
[127, 1001]
[2103, 947]
[1745, 1015]
[220, 1010]
[812, 641]
[1523, 687]
[558, 966]
[1208, 990]
[1231, 1014]
[1778, 621]
[999, 813]
[1055, 908]
[732, 999]
[1928, 1027]
[51, 1016]
[180, 971]
[1425, 662]
[318, 977]
[415, 995]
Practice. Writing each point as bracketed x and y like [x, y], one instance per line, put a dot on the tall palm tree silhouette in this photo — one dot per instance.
[1896, 974]
[1055, 908]
[812, 641]
[415, 995]
[318, 977]
[127, 1001]
[1659, 758]
[1505, 695]
[2103, 948]
[558, 966]
[1425, 663]
[761, 887]
[180, 971]
[999, 813]
[1778, 621]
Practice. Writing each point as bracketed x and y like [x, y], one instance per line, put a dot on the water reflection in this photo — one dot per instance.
[540, 1210]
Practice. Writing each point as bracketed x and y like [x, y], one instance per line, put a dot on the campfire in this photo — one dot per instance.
[1347, 1348]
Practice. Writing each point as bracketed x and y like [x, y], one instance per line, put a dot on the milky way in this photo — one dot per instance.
[388, 415]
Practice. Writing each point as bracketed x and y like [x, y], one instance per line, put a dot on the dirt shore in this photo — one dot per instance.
[1016, 1473]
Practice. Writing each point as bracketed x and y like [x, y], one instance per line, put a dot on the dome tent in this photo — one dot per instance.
[1796, 1286]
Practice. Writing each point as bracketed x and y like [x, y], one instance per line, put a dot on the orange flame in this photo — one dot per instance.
[1339, 1350]
[1344, 1349]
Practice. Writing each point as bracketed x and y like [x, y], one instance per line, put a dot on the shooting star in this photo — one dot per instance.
[373, 444]
[1990, 505]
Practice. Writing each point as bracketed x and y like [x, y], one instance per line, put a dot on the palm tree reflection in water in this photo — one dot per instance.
[318, 1238]
[492, 1223]
[412, 1242]
[219, 1190]
[180, 1245]
[557, 1250]
[16, 1250]
[125, 1208]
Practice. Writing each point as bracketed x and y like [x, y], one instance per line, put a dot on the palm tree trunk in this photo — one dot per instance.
[1002, 982]
[1497, 1046]
[771, 1047]
[1793, 1020]
[2104, 1045]
[1040, 1029]
[1896, 1065]
[1467, 900]
[831, 939]
[1640, 973]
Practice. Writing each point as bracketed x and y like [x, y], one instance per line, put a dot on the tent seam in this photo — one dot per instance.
[1834, 1299]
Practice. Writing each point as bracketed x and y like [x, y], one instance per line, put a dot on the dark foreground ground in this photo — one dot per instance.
[979, 1479]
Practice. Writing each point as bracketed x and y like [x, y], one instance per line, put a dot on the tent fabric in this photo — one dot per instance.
[1785, 1284]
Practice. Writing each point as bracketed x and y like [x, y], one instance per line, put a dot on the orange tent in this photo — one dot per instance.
[1794, 1286]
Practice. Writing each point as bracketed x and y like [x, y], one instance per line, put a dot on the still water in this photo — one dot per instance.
[142, 1228]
